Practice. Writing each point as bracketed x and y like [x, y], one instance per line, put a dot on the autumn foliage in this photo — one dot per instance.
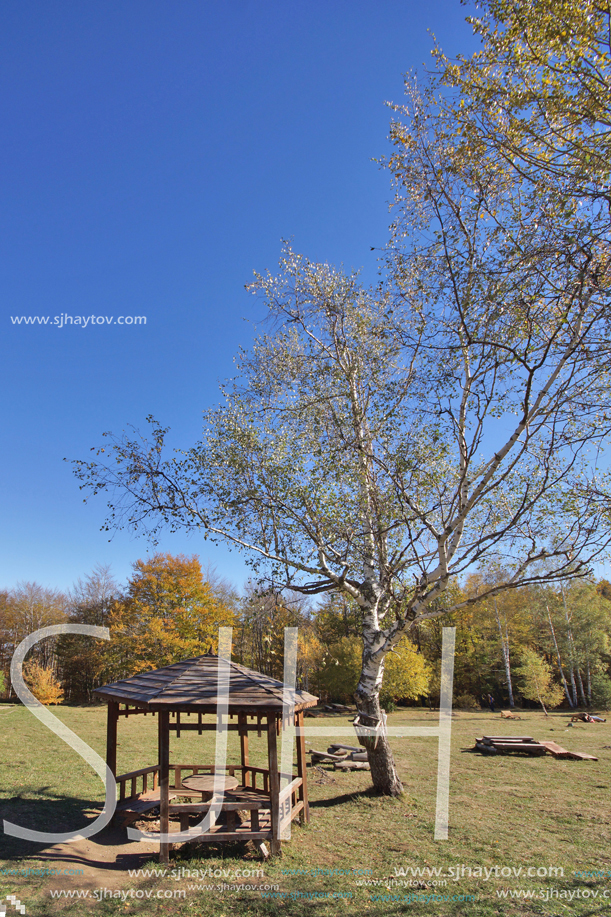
[43, 683]
[168, 613]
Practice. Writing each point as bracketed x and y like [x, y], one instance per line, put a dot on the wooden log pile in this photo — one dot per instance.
[342, 757]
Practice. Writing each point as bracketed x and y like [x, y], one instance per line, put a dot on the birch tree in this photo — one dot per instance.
[571, 701]
[382, 442]
[537, 682]
[585, 616]
[503, 621]
[323, 464]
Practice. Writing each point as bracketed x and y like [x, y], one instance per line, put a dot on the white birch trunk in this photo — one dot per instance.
[505, 650]
[581, 691]
[574, 687]
[564, 684]
[569, 637]
[589, 682]
[384, 774]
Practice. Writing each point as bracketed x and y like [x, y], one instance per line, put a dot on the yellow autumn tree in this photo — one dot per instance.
[537, 682]
[310, 656]
[43, 683]
[406, 673]
[169, 613]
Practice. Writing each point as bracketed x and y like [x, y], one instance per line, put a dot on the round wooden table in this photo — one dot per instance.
[204, 783]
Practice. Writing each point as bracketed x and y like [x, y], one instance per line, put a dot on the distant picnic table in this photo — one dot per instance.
[492, 745]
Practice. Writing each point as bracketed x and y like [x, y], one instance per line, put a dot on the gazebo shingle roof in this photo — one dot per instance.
[192, 684]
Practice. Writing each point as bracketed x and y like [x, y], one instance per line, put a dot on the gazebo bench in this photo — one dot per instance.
[233, 801]
[131, 809]
[242, 799]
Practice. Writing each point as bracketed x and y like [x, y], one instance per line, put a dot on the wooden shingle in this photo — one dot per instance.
[192, 685]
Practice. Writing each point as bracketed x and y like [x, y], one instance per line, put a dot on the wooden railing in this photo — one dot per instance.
[251, 776]
[132, 777]
[139, 781]
[290, 801]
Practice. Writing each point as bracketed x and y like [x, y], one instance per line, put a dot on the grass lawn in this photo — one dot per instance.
[505, 813]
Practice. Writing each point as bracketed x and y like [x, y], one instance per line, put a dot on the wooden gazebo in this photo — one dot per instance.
[183, 695]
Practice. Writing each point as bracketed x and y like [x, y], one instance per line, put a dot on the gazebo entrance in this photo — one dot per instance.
[251, 804]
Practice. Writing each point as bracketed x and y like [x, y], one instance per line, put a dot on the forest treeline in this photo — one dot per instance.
[547, 645]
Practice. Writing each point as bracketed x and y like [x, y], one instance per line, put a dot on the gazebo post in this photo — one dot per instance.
[164, 783]
[274, 782]
[111, 735]
[304, 815]
[243, 723]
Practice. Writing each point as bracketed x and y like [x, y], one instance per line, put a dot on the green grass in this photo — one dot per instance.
[504, 811]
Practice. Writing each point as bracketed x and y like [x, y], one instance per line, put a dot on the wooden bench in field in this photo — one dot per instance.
[492, 745]
[559, 752]
[509, 745]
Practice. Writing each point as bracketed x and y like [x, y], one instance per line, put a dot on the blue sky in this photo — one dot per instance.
[154, 154]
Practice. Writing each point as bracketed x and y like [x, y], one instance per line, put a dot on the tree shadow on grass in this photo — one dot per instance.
[110, 850]
[369, 793]
[51, 813]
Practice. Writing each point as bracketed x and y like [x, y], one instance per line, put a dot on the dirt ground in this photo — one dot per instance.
[107, 856]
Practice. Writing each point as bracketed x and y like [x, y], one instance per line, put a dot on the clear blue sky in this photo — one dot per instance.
[154, 154]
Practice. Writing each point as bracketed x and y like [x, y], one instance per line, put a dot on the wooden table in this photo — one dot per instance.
[204, 784]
